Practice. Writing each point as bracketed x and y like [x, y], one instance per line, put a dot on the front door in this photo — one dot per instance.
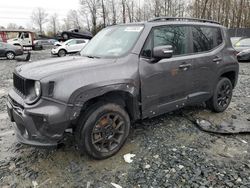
[165, 84]
[71, 46]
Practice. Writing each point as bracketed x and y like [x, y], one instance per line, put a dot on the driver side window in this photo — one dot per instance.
[177, 36]
[72, 42]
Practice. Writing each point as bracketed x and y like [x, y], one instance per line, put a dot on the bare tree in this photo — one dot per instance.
[114, 16]
[54, 23]
[99, 13]
[123, 11]
[103, 13]
[39, 17]
[12, 26]
[92, 6]
[74, 19]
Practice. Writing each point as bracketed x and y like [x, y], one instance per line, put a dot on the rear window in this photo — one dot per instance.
[206, 38]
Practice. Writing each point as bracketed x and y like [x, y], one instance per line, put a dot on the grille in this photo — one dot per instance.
[19, 84]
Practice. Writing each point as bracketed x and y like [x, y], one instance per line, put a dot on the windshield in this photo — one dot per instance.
[113, 41]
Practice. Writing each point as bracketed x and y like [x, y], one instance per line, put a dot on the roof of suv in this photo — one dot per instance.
[180, 20]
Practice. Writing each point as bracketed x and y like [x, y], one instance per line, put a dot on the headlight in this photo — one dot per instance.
[37, 88]
[34, 91]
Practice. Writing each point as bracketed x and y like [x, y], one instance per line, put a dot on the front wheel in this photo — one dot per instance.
[222, 96]
[103, 130]
[62, 53]
[10, 55]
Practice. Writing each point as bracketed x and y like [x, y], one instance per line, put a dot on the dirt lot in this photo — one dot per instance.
[170, 151]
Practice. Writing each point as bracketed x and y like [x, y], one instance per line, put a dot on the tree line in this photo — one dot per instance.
[94, 15]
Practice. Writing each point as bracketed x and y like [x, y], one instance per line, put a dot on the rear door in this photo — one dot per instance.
[207, 46]
[80, 44]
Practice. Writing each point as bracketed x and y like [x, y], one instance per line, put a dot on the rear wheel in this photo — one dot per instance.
[222, 96]
[10, 55]
[65, 36]
[62, 53]
[103, 130]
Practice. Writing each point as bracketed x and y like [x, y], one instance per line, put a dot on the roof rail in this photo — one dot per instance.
[182, 19]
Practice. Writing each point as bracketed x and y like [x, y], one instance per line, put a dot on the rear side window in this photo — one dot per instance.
[206, 38]
[80, 41]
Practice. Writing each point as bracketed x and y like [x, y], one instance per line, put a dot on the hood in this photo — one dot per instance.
[12, 40]
[57, 44]
[45, 68]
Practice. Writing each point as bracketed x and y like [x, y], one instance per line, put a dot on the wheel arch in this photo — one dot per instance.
[9, 51]
[63, 50]
[122, 94]
[231, 75]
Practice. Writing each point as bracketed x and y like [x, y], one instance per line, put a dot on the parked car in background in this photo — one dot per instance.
[126, 73]
[44, 43]
[74, 33]
[69, 47]
[234, 40]
[244, 55]
[10, 51]
[242, 44]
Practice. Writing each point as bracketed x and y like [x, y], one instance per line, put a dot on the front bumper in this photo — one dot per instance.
[43, 124]
[243, 57]
[19, 52]
[54, 51]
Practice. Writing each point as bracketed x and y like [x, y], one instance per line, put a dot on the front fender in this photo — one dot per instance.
[84, 94]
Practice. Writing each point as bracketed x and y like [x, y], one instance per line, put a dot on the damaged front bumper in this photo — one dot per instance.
[42, 124]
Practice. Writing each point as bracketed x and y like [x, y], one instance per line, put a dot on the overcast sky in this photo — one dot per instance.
[19, 11]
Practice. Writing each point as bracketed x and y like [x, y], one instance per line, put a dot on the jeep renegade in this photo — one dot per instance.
[125, 73]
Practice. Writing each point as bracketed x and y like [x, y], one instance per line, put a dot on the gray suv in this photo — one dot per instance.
[125, 73]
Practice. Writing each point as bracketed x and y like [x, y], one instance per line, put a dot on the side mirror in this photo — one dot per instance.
[161, 52]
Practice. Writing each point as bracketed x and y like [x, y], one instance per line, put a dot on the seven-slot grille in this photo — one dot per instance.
[19, 84]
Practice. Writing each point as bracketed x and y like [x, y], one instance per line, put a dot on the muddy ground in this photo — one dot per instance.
[170, 150]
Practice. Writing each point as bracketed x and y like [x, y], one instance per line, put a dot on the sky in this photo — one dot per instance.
[19, 11]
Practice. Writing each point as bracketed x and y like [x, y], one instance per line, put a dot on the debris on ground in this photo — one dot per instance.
[128, 157]
[116, 185]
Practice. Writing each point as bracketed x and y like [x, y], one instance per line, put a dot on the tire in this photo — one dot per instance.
[62, 53]
[65, 36]
[102, 130]
[222, 96]
[10, 55]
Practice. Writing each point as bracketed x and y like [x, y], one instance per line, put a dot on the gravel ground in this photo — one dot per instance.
[170, 150]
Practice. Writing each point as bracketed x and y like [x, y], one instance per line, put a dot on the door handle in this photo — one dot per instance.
[184, 66]
[216, 59]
